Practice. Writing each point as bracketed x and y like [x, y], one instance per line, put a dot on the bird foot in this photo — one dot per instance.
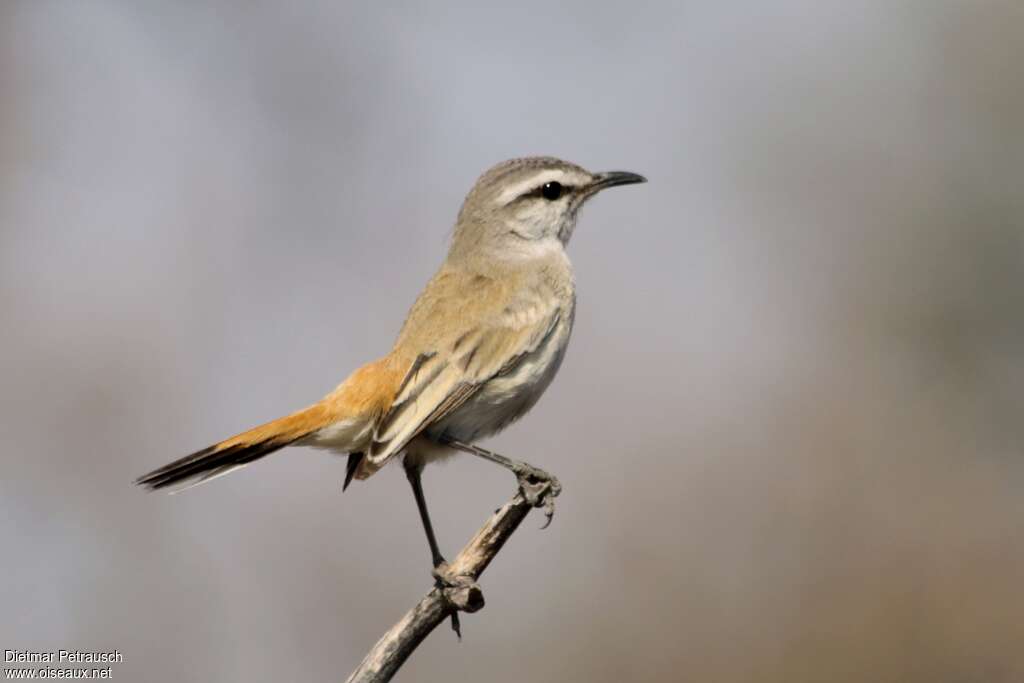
[460, 591]
[539, 489]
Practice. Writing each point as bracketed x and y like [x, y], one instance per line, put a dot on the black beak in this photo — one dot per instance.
[613, 178]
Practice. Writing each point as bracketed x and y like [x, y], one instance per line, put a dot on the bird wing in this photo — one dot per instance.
[444, 377]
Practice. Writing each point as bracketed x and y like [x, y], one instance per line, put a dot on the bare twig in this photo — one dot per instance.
[460, 593]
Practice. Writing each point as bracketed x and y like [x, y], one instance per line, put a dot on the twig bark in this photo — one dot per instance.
[462, 593]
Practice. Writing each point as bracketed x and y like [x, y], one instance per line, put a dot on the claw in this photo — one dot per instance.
[539, 490]
[554, 488]
[443, 582]
[457, 626]
[549, 511]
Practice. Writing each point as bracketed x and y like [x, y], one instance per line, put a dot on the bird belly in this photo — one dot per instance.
[503, 400]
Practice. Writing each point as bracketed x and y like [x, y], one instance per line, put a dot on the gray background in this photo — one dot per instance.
[790, 423]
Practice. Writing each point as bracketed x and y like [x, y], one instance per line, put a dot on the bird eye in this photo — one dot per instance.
[551, 191]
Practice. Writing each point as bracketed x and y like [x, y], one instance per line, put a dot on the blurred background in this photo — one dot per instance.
[789, 427]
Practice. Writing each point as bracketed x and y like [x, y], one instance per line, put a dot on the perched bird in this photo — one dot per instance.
[478, 348]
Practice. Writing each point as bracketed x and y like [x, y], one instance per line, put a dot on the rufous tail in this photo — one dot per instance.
[238, 451]
[340, 422]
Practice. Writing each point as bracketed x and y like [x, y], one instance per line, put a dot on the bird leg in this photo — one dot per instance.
[539, 488]
[414, 471]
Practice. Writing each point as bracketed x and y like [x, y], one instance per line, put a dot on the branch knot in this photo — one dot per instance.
[457, 590]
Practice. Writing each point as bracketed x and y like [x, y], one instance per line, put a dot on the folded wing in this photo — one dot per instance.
[441, 380]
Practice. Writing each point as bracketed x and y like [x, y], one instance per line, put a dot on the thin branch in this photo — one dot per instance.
[461, 593]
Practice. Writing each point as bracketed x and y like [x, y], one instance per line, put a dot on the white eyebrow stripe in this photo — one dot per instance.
[535, 181]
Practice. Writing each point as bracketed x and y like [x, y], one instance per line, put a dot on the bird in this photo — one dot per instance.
[479, 346]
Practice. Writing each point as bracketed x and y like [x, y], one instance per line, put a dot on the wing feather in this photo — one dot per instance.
[441, 380]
